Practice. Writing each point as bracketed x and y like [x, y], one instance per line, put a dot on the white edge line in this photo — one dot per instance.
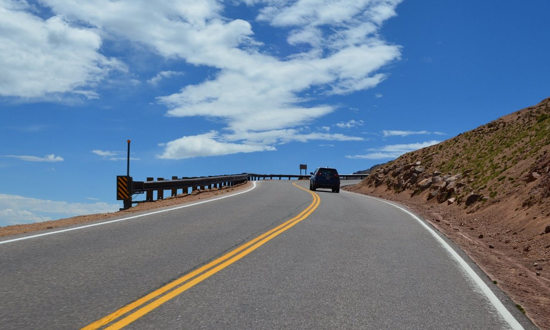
[504, 312]
[128, 218]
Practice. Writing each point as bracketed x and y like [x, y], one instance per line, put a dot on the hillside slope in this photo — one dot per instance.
[489, 190]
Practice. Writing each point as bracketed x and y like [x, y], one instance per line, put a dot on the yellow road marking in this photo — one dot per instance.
[193, 278]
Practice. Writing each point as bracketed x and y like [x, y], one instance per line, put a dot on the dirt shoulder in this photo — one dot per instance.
[513, 258]
[141, 207]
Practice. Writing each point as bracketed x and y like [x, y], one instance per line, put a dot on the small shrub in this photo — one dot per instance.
[542, 118]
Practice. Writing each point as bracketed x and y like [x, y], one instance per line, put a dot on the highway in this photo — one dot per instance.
[277, 256]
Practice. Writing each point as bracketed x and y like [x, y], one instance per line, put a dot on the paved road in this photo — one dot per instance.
[343, 261]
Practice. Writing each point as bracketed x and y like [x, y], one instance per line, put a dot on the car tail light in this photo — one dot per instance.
[336, 176]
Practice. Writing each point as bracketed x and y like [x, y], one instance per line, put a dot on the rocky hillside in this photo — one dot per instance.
[489, 190]
[507, 160]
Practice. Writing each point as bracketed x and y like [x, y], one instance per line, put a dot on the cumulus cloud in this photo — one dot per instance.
[206, 145]
[252, 90]
[41, 57]
[393, 151]
[16, 209]
[51, 158]
[256, 92]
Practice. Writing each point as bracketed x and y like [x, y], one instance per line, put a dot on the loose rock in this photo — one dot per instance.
[419, 169]
[423, 184]
[472, 198]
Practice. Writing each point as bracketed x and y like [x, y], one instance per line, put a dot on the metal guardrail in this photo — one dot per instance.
[127, 187]
[186, 185]
[257, 177]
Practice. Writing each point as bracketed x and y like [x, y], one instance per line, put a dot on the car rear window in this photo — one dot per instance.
[327, 171]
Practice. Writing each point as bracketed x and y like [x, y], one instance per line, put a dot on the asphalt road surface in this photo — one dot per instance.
[274, 257]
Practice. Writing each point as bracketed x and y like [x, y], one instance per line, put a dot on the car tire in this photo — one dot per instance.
[335, 190]
[311, 187]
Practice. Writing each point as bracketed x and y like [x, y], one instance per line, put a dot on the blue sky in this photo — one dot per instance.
[212, 87]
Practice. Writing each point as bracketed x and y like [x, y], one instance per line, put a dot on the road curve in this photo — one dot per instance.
[325, 261]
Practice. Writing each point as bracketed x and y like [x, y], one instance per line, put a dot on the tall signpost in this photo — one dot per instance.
[128, 160]
[124, 184]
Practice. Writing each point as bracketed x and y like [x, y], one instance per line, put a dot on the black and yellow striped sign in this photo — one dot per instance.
[123, 187]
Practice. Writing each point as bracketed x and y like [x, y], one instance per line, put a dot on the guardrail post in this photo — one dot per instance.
[174, 190]
[149, 192]
[160, 191]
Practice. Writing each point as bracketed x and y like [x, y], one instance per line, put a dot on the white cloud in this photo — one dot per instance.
[214, 144]
[51, 158]
[283, 136]
[350, 124]
[105, 153]
[111, 155]
[41, 57]
[256, 92]
[253, 90]
[379, 95]
[18, 210]
[393, 151]
[387, 133]
[206, 145]
[163, 75]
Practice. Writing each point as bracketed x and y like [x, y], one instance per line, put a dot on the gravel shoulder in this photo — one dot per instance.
[514, 260]
[141, 207]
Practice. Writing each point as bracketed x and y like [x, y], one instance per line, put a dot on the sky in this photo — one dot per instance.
[222, 87]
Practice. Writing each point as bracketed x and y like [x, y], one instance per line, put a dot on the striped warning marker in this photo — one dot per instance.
[123, 189]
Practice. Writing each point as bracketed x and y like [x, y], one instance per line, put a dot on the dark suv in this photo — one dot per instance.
[325, 177]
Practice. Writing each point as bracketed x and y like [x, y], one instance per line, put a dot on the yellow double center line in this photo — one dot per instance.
[144, 305]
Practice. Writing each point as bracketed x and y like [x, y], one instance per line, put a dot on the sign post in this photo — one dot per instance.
[128, 160]
[124, 185]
